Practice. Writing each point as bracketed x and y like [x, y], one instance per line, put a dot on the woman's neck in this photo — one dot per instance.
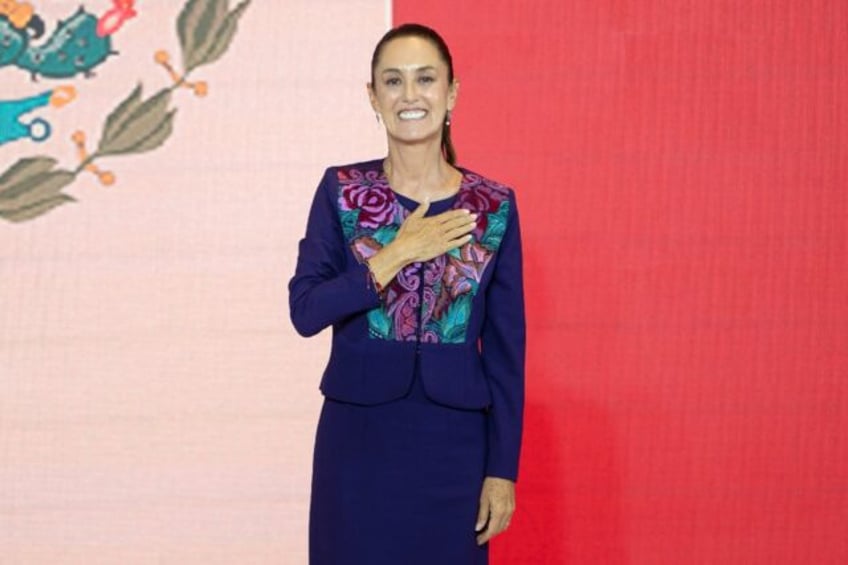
[419, 172]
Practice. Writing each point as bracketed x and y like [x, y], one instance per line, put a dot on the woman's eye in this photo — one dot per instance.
[426, 80]
[392, 81]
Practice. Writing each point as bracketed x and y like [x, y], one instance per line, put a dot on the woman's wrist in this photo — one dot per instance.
[385, 264]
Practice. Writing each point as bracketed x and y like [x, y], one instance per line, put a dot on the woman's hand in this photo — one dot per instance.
[421, 239]
[497, 503]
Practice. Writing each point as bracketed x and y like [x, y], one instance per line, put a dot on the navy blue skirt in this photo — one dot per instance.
[397, 484]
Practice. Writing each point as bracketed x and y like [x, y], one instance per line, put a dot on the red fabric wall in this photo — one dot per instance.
[681, 168]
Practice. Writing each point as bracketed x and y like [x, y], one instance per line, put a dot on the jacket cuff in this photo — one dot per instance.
[501, 466]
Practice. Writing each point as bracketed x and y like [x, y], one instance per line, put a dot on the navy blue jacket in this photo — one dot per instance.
[460, 316]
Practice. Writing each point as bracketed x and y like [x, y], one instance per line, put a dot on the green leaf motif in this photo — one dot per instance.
[196, 21]
[137, 125]
[379, 324]
[206, 30]
[224, 35]
[34, 189]
[454, 322]
[496, 227]
[22, 169]
[385, 234]
[455, 253]
[35, 210]
[118, 117]
[349, 219]
[158, 136]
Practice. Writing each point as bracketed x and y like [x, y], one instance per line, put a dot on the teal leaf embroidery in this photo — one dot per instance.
[379, 324]
[496, 227]
[385, 234]
[349, 219]
[453, 324]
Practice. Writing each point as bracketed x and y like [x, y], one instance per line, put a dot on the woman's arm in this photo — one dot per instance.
[502, 347]
[323, 290]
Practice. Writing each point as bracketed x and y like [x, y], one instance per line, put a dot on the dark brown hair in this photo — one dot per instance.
[424, 32]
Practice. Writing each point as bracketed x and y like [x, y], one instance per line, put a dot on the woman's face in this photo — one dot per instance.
[411, 91]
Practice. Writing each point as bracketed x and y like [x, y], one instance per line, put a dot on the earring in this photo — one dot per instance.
[448, 118]
[377, 115]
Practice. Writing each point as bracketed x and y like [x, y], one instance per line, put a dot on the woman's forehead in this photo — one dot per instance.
[409, 53]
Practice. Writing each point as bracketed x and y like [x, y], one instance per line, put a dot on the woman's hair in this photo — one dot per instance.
[424, 32]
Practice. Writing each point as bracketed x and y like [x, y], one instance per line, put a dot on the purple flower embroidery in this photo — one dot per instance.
[481, 196]
[477, 198]
[429, 305]
[475, 254]
[375, 204]
[460, 273]
[458, 278]
[430, 302]
[364, 247]
[434, 269]
[404, 313]
[407, 278]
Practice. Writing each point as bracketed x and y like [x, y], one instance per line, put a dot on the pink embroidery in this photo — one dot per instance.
[371, 215]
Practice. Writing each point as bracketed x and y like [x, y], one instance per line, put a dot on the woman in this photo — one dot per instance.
[416, 264]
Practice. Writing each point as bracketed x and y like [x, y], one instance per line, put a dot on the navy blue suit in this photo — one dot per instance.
[456, 322]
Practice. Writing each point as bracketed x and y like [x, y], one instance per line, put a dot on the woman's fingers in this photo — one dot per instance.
[458, 230]
[454, 216]
[482, 515]
[421, 210]
[468, 220]
[499, 518]
[456, 227]
[456, 242]
[498, 498]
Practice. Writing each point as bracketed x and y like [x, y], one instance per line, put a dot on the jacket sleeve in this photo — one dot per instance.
[324, 290]
[502, 345]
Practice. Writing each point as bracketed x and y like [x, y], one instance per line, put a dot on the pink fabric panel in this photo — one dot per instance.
[156, 405]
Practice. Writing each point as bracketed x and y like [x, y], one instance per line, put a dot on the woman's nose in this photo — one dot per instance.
[410, 93]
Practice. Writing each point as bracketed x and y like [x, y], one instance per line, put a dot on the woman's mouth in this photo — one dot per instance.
[411, 114]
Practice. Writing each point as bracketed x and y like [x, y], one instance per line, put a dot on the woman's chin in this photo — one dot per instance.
[415, 136]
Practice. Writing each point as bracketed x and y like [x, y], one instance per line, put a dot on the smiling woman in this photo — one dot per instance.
[416, 264]
[415, 69]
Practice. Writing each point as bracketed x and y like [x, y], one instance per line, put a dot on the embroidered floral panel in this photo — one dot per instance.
[429, 301]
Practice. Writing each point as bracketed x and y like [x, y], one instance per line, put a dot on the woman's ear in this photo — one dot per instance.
[453, 92]
[372, 98]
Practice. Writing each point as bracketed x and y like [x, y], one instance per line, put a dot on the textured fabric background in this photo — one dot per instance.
[156, 406]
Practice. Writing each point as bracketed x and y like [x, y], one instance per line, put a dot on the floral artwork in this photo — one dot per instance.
[429, 301]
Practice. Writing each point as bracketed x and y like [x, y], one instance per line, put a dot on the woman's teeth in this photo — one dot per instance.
[412, 114]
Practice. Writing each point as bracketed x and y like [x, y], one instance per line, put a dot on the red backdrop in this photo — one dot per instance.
[681, 172]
